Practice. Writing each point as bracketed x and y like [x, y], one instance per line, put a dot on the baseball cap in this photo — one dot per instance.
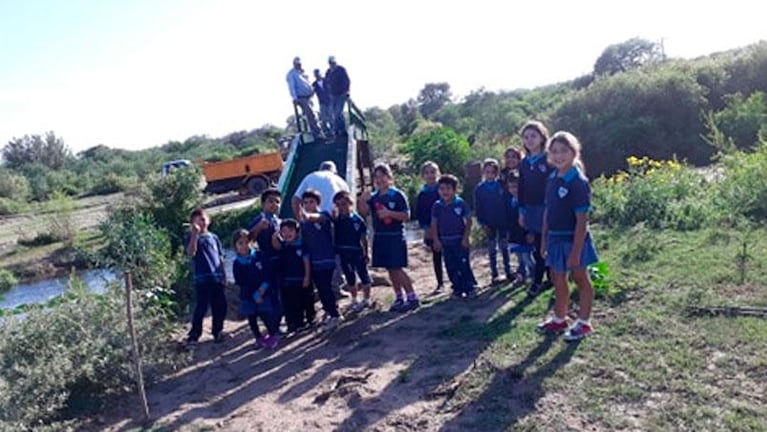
[328, 166]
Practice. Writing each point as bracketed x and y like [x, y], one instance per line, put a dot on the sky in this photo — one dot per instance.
[139, 73]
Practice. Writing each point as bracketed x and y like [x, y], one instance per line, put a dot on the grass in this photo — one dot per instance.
[650, 365]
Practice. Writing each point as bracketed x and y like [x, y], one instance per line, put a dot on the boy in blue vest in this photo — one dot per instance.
[317, 237]
[295, 282]
[489, 200]
[451, 228]
[351, 243]
[207, 254]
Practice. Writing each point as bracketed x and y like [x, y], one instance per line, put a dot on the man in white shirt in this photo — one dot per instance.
[301, 91]
[326, 181]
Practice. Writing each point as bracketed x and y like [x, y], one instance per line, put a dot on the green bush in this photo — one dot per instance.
[9, 207]
[658, 194]
[442, 145]
[132, 243]
[171, 199]
[224, 223]
[742, 191]
[57, 362]
[13, 186]
[7, 280]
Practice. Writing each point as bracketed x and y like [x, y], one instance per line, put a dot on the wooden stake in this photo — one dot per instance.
[134, 342]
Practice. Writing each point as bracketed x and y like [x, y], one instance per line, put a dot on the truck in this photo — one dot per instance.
[252, 174]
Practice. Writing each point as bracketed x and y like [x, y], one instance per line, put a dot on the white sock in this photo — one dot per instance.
[558, 320]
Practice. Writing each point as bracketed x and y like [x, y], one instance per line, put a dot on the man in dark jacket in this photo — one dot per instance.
[323, 97]
[338, 85]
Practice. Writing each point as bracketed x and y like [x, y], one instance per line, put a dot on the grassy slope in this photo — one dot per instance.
[650, 366]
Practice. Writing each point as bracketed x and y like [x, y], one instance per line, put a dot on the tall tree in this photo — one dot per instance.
[628, 55]
[432, 97]
[48, 150]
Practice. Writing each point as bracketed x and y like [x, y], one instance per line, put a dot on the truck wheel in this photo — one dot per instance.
[256, 185]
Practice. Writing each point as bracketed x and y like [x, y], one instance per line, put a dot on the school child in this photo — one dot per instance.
[317, 237]
[428, 195]
[263, 226]
[451, 228]
[389, 210]
[534, 171]
[512, 157]
[257, 290]
[520, 241]
[207, 254]
[568, 246]
[351, 244]
[489, 200]
[294, 271]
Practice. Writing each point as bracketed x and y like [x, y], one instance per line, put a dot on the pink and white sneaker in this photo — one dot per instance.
[551, 325]
[579, 330]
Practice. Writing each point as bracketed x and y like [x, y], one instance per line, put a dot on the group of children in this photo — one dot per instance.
[536, 207]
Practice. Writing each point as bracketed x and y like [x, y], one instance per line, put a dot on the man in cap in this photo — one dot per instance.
[338, 86]
[301, 91]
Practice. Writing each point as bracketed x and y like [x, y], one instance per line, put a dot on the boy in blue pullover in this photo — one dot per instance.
[317, 236]
[351, 242]
[489, 200]
[257, 290]
[428, 195]
[451, 227]
[207, 253]
[295, 277]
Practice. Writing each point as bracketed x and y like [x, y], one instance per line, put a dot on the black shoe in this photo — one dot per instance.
[221, 337]
[534, 289]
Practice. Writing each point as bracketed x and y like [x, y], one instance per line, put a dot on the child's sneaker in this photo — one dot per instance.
[355, 306]
[534, 289]
[579, 330]
[472, 294]
[332, 323]
[497, 280]
[411, 304]
[261, 341]
[456, 295]
[359, 306]
[220, 338]
[517, 280]
[438, 290]
[397, 306]
[271, 342]
[552, 325]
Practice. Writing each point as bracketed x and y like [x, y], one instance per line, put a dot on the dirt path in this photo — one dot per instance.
[381, 371]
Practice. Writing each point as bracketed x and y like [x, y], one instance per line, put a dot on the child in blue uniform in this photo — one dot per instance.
[207, 253]
[317, 237]
[534, 171]
[427, 196]
[294, 271]
[257, 290]
[263, 226]
[512, 157]
[489, 198]
[451, 228]
[519, 240]
[351, 244]
[568, 246]
[389, 210]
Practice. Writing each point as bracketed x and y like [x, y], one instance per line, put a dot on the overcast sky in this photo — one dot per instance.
[138, 73]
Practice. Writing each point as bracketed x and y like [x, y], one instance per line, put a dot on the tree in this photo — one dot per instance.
[433, 97]
[628, 55]
[48, 150]
[449, 149]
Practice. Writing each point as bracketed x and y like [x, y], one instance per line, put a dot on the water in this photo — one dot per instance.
[97, 280]
[41, 292]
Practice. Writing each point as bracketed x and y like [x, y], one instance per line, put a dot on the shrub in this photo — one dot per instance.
[57, 362]
[7, 280]
[742, 192]
[171, 199]
[134, 244]
[9, 207]
[442, 145]
[657, 193]
[13, 186]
